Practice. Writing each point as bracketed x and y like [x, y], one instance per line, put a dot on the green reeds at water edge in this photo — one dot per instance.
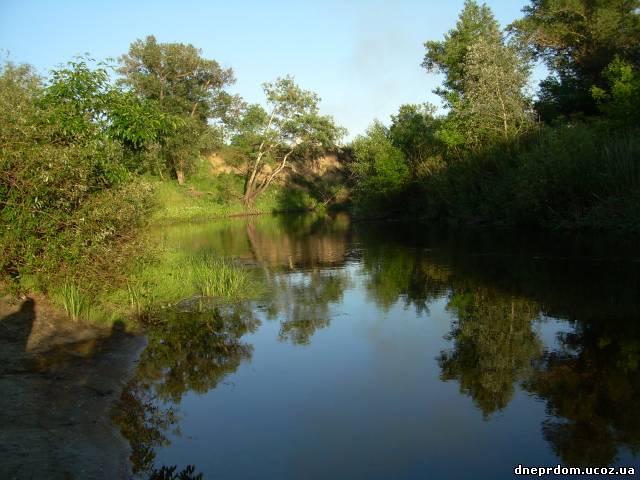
[219, 277]
[174, 277]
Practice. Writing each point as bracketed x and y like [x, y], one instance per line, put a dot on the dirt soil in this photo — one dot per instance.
[59, 381]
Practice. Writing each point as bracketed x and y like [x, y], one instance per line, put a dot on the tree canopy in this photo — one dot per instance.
[578, 39]
[290, 128]
[183, 84]
[449, 56]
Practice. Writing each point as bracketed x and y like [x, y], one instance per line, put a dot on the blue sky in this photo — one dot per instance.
[362, 57]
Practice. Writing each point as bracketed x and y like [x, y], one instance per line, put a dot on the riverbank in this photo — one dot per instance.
[60, 381]
[213, 191]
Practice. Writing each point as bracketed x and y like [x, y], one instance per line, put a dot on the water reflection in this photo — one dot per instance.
[493, 345]
[592, 390]
[302, 302]
[191, 348]
[499, 293]
[396, 272]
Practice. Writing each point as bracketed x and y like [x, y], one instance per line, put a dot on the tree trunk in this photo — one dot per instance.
[248, 200]
[180, 176]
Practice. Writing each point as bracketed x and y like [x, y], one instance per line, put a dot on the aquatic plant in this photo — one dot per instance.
[219, 277]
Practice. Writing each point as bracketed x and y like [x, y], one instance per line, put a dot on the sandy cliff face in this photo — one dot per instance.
[326, 165]
[324, 177]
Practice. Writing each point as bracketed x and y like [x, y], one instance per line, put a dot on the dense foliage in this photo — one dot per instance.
[67, 191]
[568, 157]
[188, 88]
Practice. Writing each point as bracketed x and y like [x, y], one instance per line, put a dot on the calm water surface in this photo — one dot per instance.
[384, 350]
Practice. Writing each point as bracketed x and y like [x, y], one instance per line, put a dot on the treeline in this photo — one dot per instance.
[78, 149]
[567, 157]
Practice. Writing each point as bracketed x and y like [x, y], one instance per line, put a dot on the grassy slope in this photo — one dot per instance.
[207, 195]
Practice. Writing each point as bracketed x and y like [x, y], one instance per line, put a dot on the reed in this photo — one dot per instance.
[219, 277]
[73, 300]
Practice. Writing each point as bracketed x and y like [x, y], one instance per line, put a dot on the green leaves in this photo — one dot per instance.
[622, 102]
[494, 107]
[484, 84]
[379, 167]
[577, 40]
[65, 163]
[180, 91]
[291, 128]
[413, 130]
[137, 122]
[475, 22]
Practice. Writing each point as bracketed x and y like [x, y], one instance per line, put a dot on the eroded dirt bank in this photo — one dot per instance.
[58, 383]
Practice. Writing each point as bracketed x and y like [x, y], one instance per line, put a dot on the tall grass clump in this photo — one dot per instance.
[73, 300]
[219, 277]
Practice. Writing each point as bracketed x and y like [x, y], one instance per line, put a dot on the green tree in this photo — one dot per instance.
[622, 102]
[495, 106]
[291, 128]
[378, 168]
[185, 85]
[449, 57]
[484, 81]
[578, 39]
[414, 131]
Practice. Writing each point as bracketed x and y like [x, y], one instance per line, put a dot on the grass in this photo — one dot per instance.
[73, 300]
[208, 195]
[218, 277]
[170, 272]
[165, 272]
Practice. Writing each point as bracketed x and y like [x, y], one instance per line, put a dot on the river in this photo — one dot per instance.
[387, 350]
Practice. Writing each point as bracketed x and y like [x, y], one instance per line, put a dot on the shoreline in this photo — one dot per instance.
[60, 381]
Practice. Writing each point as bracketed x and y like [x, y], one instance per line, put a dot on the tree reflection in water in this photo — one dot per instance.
[592, 390]
[589, 381]
[494, 345]
[302, 302]
[590, 384]
[187, 350]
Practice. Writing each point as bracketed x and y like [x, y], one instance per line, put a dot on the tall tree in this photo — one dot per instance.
[184, 84]
[290, 128]
[495, 106]
[448, 56]
[578, 39]
[484, 81]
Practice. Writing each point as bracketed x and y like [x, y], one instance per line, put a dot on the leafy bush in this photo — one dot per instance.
[378, 168]
[66, 188]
